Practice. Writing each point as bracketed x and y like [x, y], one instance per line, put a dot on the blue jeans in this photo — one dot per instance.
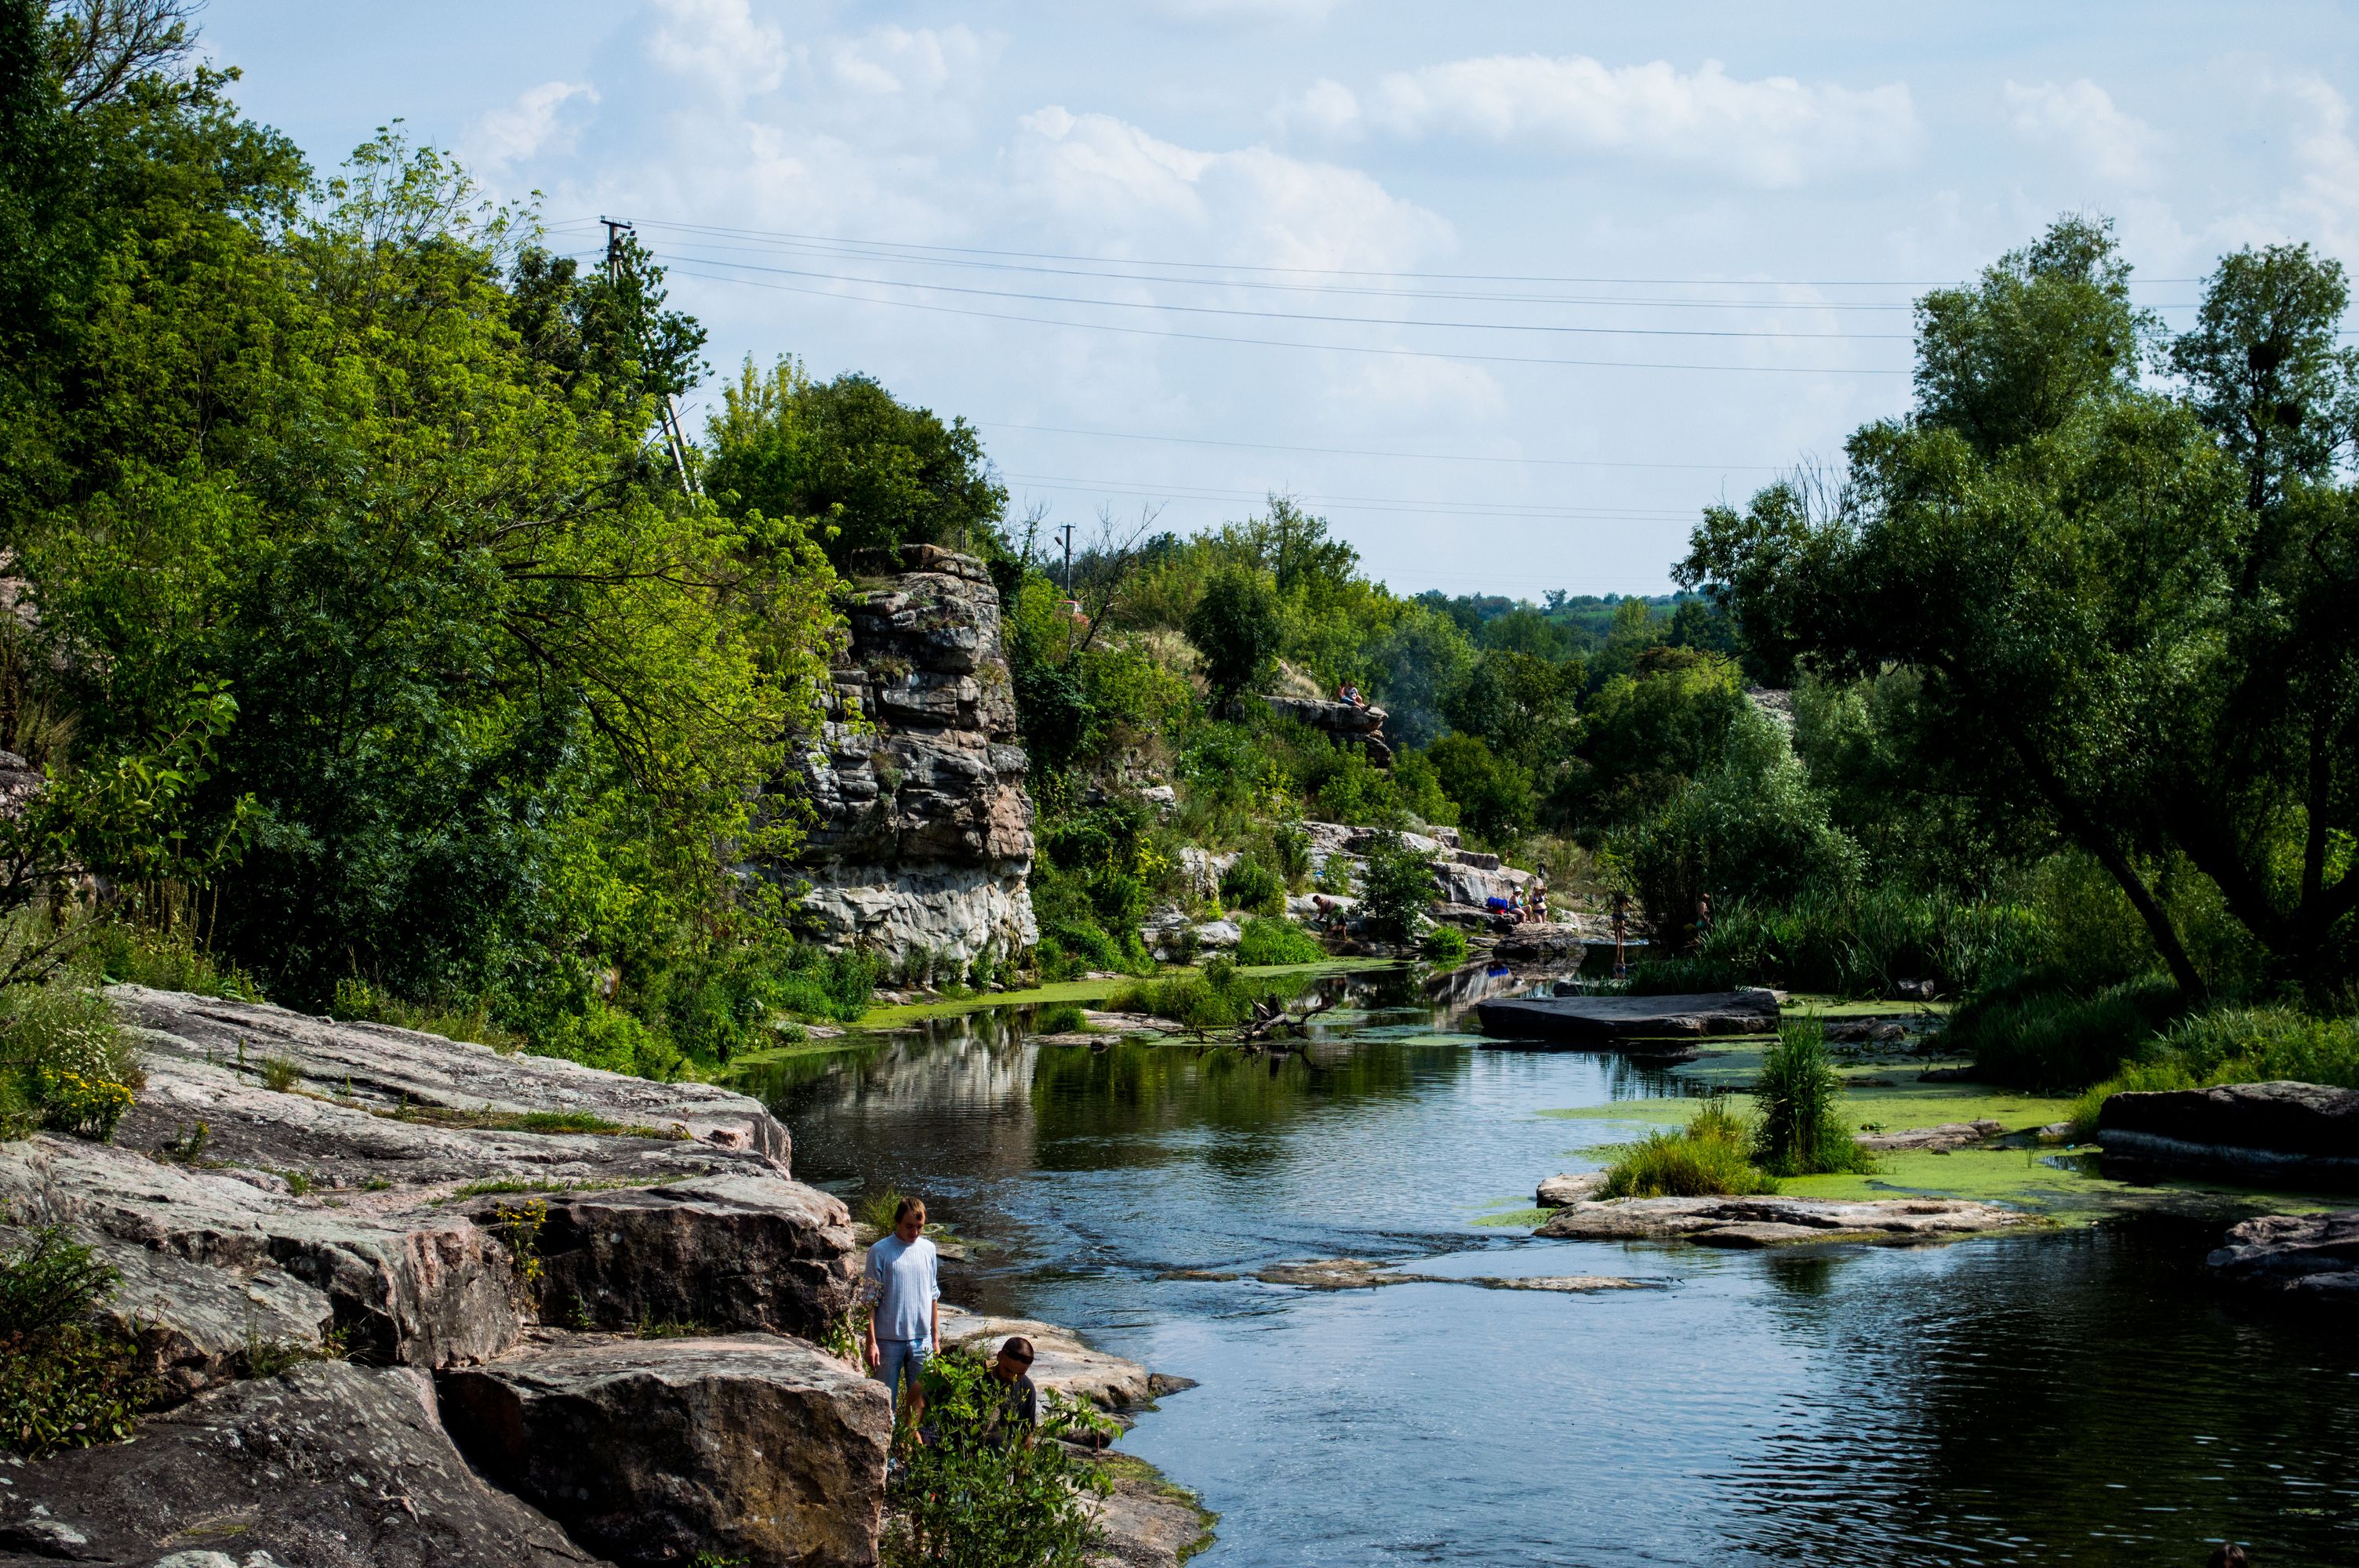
[900, 1357]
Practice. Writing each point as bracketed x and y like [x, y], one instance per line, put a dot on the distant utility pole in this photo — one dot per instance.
[674, 436]
[1069, 560]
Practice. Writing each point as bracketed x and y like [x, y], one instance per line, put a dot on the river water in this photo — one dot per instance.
[2078, 1397]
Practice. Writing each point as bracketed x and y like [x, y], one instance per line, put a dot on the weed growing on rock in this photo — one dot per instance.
[519, 1227]
[977, 1493]
[64, 1382]
[281, 1074]
[64, 1065]
[1709, 1157]
[1802, 1131]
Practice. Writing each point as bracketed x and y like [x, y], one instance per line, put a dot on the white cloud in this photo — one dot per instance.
[2328, 159]
[720, 42]
[531, 124]
[1288, 10]
[2082, 117]
[1327, 110]
[1775, 131]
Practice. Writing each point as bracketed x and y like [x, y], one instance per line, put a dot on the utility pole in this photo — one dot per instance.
[668, 412]
[1068, 561]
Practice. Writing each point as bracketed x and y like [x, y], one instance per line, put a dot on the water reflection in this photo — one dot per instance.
[2070, 1397]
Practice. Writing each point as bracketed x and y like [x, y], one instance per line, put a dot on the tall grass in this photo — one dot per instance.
[1708, 1157]
[1802, 1130]
[1268, 940]
[1853, 943]
[2234, 1046]
[2029, 1033]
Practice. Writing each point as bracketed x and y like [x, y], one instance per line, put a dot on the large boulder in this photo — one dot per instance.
[1607, 1021]
[2298, 1134]
[2314, 1256]
[750, 1446]
[326, 1465]
[720, 1253]
[922, 829]
[377, 1066]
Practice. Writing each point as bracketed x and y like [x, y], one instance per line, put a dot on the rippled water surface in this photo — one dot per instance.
[2079, 1397]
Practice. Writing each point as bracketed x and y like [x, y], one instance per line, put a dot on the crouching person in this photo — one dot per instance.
[1012, 1405]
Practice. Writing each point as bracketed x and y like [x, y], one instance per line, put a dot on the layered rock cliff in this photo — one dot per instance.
[923, 831]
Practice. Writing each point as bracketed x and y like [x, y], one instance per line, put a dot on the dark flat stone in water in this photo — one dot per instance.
[1622, 1022]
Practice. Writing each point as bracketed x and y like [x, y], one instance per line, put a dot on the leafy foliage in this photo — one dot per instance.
[64, 1382]
[1398, 888]
[978, 1494]
[1710, 1156]
[1269, 940]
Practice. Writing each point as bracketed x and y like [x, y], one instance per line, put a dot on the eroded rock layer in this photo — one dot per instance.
[923, 830]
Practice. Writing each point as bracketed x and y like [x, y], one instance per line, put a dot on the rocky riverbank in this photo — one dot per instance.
[410, 1301]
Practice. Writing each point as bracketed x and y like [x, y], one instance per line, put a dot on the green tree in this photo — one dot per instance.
[1398, 888]
[1236, 627]
[1494, 795]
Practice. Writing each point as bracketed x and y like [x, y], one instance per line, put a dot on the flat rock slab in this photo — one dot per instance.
[2302, 1134]
[1535, 943]
[1062, 1365]
[752, 1446]
[326, 1465]
[1556, 1191]
[1146, 1521]
[1776, 1221]
[1937, 1139]
[2308, 1255]
[1613, 1021]
[380, 1065]
[1362, 1274]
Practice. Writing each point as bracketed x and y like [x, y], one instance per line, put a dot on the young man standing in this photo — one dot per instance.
[905, 1312]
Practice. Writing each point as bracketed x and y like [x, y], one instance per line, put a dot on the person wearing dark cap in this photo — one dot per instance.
[1014, 1407]
[2227, 1554]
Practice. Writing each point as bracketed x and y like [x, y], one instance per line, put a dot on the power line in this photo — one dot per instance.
[1282, 342]
[1307, 316]
[915, 248]
[1512, 511]
[1370, 452]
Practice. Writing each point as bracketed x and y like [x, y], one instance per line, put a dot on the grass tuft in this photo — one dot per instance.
[1803, 1131]
[1707, 1158]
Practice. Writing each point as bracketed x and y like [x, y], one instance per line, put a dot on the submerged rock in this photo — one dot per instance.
[750, 1445]
[1771, 1221]
[1612, 1021]
[2301, 1135]
[1360, 1274]
[1936, 1139]
[326, 1465]
[2307, 1255]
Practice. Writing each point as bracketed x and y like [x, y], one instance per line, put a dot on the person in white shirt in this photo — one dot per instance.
[905, 1311]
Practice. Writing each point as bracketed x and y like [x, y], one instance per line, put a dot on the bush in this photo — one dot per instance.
[2234, 1046]
[1248, 884]
[1802, 1131]
[1399, 887]
[1290, 853]
[64, 1382]
[1268, 941]
[64, 1065]
[818, 983]
[1059, 1018]
[1852, 942]
[130, 954]
[2030, 1033]
[976, 1495]
[1444, 945]
[1216, 998]
[1705, 1158]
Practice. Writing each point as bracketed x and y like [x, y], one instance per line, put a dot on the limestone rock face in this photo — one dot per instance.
[326, 1465]
[2304, 1133]
[924, 829]
[725, 1252]
[2308, 1255]
[749, 1446]
[1353, 723]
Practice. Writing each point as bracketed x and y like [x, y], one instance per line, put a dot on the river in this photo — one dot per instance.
[2080, 1396]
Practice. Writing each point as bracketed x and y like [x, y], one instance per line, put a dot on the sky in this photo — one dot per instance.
[1507, 292]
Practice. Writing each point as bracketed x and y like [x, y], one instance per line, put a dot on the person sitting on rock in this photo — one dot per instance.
[1350, 692]
[905, 1304]
[1014, 1405]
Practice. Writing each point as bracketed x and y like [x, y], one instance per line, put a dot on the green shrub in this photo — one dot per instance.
[2029, 1033]
[1269, 941]
[830, 985]
[1444, 945]
[1059, 1018]
[1802, 1131]
[64, 1064]
[977, 1494]
[130, 954]
[1248, 884]
[1706, 1158]
[64, 1382]
[1216, 998]
[1399, 887]
[1289, 854]
[1852, 942]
